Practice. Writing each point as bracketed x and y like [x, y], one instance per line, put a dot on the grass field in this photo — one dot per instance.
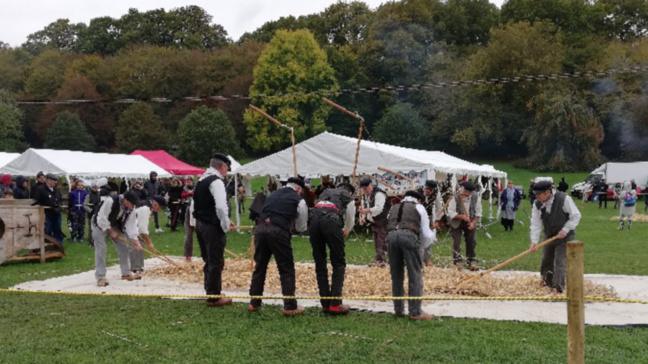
[40, 328]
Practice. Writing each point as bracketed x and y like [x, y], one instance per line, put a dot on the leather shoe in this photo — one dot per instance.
[422, 317]
[294, 312]
[252, 308]
[220, 302]
[337, 309]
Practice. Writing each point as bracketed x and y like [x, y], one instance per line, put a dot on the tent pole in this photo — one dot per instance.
[490, 198]
[236, 205]
[294, 152]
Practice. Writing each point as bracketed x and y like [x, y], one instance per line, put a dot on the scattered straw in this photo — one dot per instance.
[635, 217]
[370, 281]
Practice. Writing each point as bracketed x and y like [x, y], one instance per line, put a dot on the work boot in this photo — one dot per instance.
[472, 266]
[218, 302]
[102, 282]
[422, 317]
[128, 277]
[252, 308]
[459, 266]
[294, 312]
[337, 309]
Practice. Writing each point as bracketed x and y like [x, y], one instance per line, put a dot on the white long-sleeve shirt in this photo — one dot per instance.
[142, 214]
[301, 222]
[452, 207]
[379, 204]
[426, 236]
[569, 207]
[217, 190]
[349, 216]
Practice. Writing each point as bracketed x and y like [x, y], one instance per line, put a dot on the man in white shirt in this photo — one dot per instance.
[376, 212]
[282, 210]
[408, 229]
[331, 220]
[142, 215]
[115, 218]
[212, 223]
[555, 214]
[464, 213]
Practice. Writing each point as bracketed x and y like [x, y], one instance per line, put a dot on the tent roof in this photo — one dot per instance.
[235, 164]
[332, 154]
[82, 164]
[6, 157]
[169, 162]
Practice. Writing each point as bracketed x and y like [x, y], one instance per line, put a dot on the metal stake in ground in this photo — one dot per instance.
[281, 125]
[360, 130]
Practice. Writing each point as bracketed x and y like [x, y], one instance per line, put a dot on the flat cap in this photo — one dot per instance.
[223, 158]
[468, 186]
[296, 180]
[365, 181]
[52, 177]
[414, 194]
[132, 197]
[431, 184]
[542, 186]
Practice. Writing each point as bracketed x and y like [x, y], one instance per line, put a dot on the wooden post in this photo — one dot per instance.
[575, 306]
[41, 233]
[360, 130]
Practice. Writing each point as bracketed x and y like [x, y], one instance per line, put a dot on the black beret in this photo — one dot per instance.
[542, 186]
[431, 184]
[365, 181]
[414, 194]
[468, 186]
[296, 180]
[223, 158]
[132, 197]
[347, 186]
[52, 177]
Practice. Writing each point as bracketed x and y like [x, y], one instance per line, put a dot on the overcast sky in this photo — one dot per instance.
[21, 18]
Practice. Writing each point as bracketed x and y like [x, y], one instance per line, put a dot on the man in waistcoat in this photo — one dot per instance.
[376, 211]
[464, 213]
[115, 218]
[409, 229]
[282, 210]
[212, 223]
[555, 214]
[331, 220]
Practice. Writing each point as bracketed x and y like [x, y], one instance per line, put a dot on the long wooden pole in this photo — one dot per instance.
[506, 262]
[360, 131]
[281, 125]
[575, 306]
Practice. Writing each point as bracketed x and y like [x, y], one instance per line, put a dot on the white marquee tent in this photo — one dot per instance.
[6, 157]
[332, 154]
[81, 164]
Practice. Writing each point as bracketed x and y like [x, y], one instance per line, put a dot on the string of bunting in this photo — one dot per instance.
[632, 69]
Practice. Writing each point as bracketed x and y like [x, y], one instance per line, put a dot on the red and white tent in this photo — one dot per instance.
[169, 163]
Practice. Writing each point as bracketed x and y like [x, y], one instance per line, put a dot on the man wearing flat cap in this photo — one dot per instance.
[115, 218]
[377, 206]
[212, 224]
[282, 210]
[554, 214]
[408, 229]
[48, 195]
[464, 212]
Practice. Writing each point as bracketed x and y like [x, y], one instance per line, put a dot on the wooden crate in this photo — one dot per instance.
[23, 228]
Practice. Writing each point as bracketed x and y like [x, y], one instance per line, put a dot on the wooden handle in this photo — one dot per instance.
[343, 109]
[267, 116]
[506, 262]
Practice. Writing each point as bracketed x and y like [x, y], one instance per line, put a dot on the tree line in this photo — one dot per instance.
[286, 64]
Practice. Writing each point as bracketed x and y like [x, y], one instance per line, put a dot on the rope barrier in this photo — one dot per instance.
[554, 298]
[591, 74]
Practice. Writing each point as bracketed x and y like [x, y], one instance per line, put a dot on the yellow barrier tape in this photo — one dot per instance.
[554, 298]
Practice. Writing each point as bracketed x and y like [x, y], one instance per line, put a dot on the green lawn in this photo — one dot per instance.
[102, 329]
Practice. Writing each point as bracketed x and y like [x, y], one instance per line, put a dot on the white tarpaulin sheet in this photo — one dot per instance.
[7, 157]
[82, 164]
[332, 154]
